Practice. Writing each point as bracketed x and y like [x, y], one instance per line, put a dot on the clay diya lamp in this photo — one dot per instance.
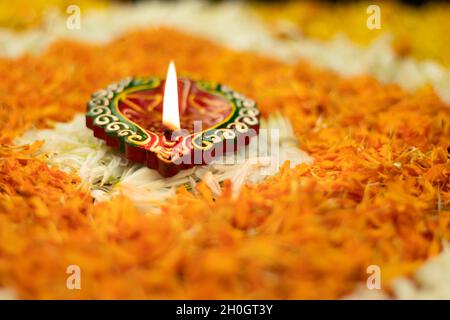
[172, 124]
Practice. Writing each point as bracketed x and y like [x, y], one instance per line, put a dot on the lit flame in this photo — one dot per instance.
[171, 112]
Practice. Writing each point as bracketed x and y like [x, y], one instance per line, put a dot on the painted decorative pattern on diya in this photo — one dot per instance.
[214, 119]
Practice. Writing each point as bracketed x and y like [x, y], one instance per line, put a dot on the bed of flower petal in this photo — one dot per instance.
[25, 14]
[417, 31]
[378, 191]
